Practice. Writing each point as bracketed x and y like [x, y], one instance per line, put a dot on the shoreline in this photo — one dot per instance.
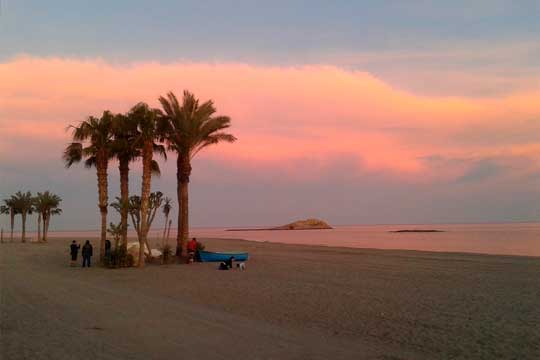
[508, 240]
[338, 247]
[155, 245]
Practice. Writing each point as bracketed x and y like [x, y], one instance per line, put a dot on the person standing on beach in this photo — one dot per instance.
[192, 250]
[107, 247]
[74, 250]
[87, 252]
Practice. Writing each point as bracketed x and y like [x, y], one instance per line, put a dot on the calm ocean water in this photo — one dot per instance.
[505, 239]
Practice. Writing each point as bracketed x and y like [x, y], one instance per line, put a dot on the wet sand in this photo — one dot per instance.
[292, 302]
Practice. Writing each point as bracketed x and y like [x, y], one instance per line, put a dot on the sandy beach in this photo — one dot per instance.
[293, 302]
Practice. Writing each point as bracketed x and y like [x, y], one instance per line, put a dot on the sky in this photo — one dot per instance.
[356, 112]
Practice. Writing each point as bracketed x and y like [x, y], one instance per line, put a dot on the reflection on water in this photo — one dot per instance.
[508, 239]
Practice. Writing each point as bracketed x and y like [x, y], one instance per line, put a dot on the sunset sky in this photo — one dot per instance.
[356, 112]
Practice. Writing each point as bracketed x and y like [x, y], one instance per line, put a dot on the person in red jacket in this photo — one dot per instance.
[192, 249]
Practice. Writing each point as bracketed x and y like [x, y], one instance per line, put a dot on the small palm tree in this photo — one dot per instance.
[166, 211]
[116, 231]
[9, 208]
[93, 142]
[188, 128]
[24, 205]
[46, 204]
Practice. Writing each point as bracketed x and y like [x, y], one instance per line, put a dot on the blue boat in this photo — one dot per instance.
[208, 256]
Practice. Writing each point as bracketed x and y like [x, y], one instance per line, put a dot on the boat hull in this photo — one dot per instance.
[208, 256]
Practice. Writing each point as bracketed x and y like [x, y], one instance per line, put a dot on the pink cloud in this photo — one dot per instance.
[281, 115]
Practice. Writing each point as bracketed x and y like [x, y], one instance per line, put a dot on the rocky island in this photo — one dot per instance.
[308, 224]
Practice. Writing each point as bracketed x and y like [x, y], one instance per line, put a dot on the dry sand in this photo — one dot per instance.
[293, 302]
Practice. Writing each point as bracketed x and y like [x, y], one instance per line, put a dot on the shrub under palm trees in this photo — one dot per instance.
[134, 209]
[188, 128]
[92, 141]
[116, 232]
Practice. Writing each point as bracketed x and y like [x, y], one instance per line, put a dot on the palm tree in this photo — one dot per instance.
[9, 208]
[116, 231]
[148, 133]
[125, 149]
[23, 205]
[166, 211]
[188, 128]
[93, 142]
[46, 204]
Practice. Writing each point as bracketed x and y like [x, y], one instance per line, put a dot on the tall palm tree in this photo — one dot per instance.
[46, 204]
[190, 127]
[9, 208]
[23, 205]
[148, 133]
[125, 149]
[92, 141]
[166, 211]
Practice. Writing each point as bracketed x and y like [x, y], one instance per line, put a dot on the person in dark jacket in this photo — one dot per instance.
[87, 252]
[74, 250]
[107, 247]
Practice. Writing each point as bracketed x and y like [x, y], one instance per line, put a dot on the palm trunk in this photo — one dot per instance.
[39, 227]
[12, 223]
[23, 233]
[46, 222]
[145, 196]
[185, 216]
[185, 172]
[147, 245]
[103, 200]
[179, 199]
[124, 198]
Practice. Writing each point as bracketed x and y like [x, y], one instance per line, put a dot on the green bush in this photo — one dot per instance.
[119, 258]
[166, 253]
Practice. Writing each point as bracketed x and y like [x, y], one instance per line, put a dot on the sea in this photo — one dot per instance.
[501, 239]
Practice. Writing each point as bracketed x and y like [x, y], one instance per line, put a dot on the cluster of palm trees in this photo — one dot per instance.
[44, 204]
[183, 128]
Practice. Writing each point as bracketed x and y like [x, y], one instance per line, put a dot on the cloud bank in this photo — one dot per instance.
[304, 123]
